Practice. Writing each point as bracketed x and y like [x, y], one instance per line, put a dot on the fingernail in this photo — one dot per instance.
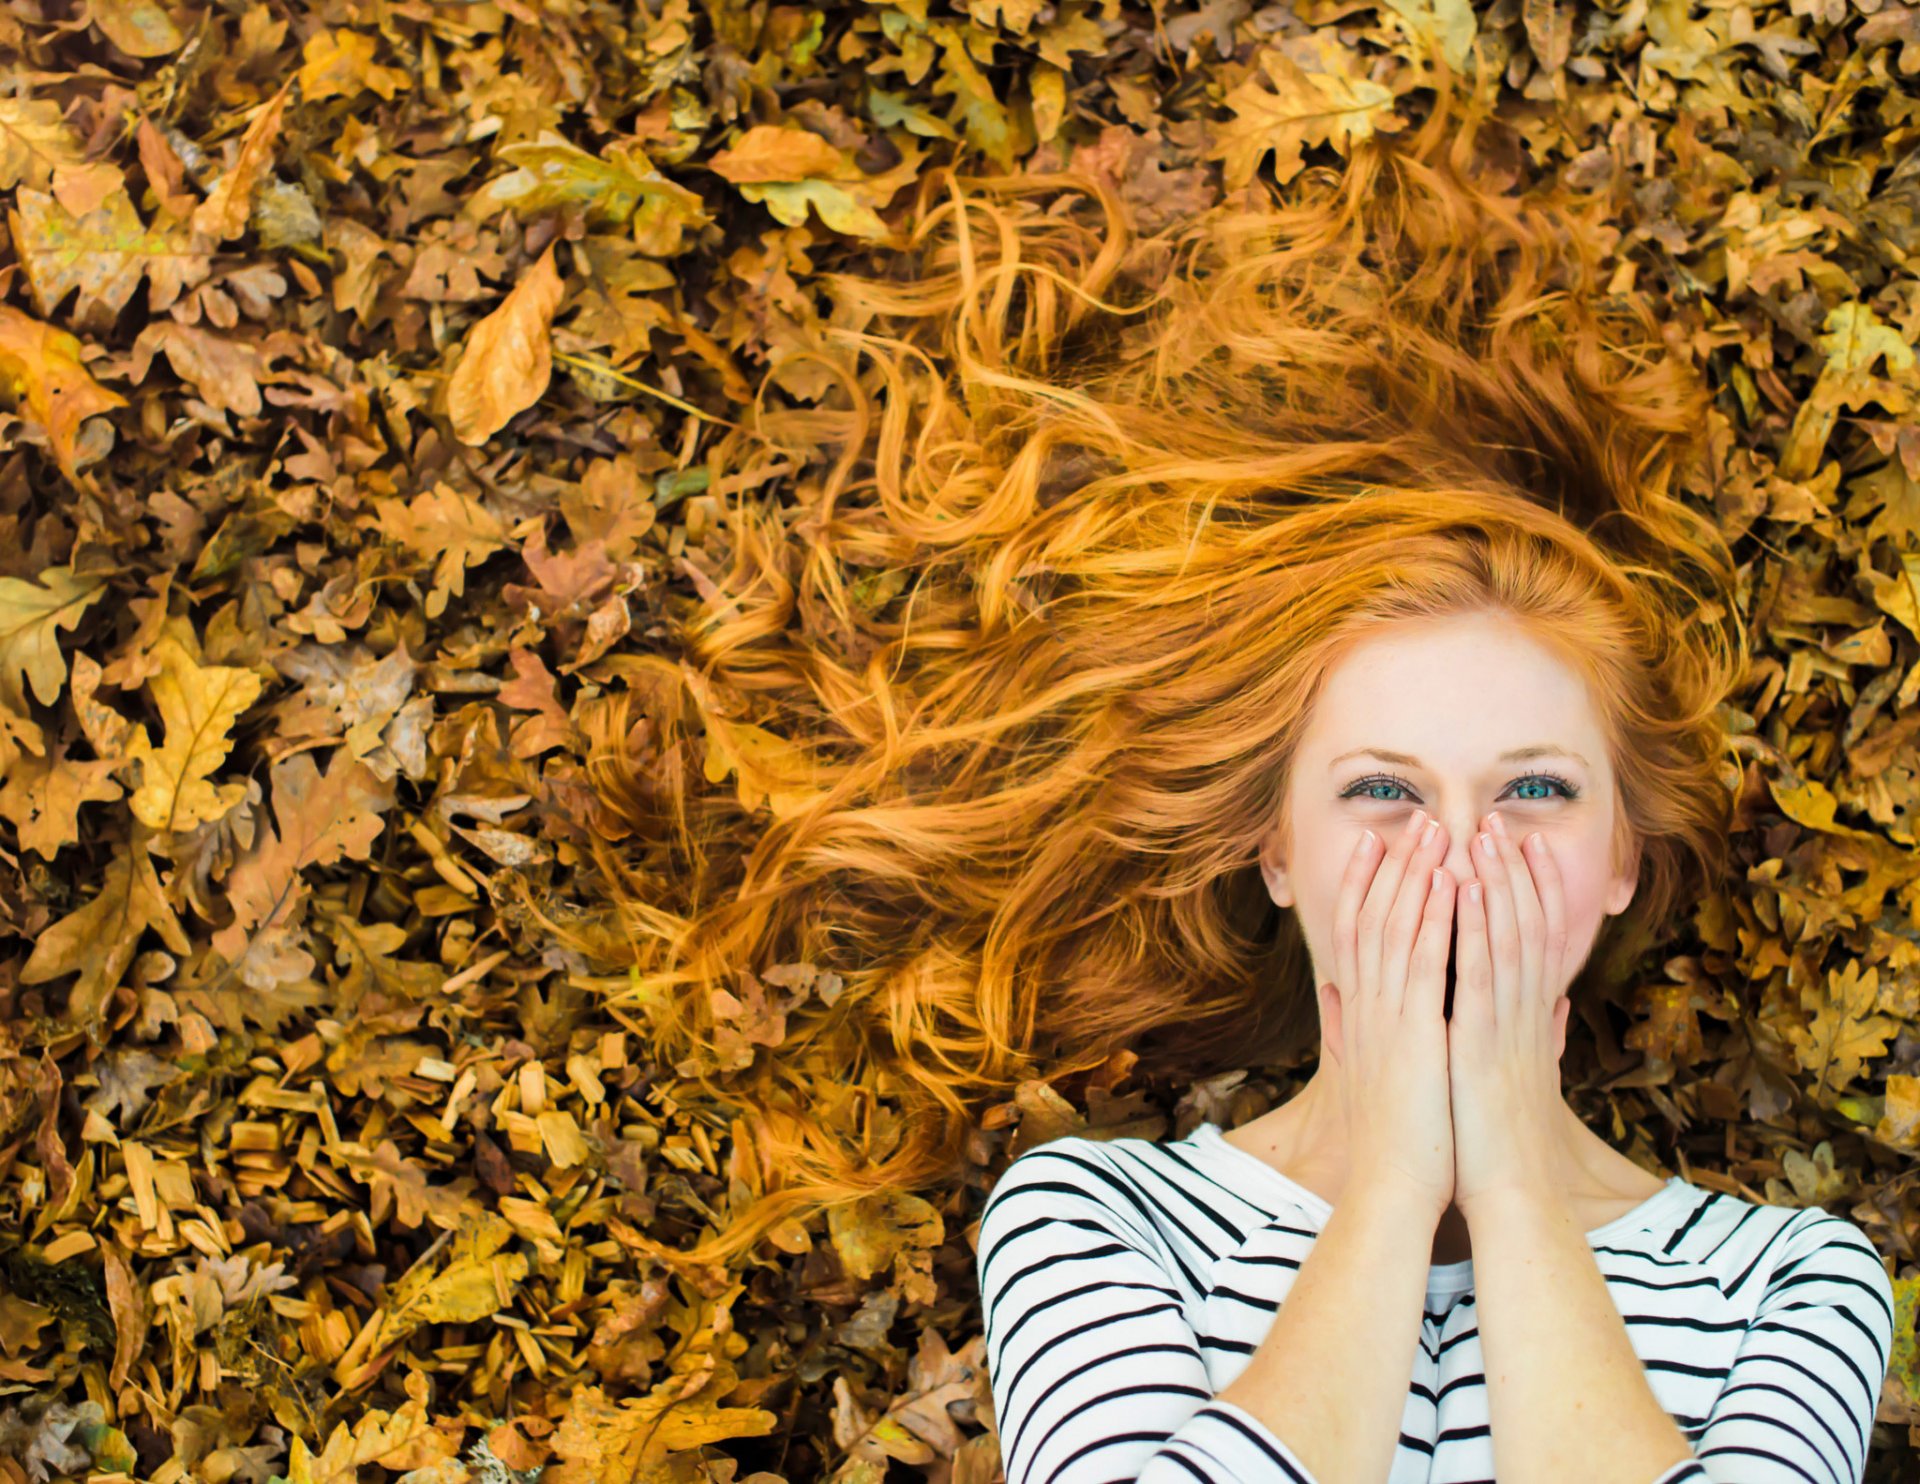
[1499, 824]
[1367, 837]
[1426, 835]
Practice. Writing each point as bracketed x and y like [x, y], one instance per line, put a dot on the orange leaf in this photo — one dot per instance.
[508, 359]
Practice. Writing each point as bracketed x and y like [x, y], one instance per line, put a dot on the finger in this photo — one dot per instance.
[1409, 909]
[1503, 947]
[1427, 974]
[1472, 970]
[1553, 910]
[1529, 924]
[1361, 863]
[1371, 923]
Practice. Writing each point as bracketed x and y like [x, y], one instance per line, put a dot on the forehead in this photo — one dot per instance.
[1463, 689]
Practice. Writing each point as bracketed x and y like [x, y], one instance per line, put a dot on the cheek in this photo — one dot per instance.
[1584, 882]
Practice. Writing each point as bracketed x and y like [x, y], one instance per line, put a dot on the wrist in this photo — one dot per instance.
[1387, 1195]
[1520, 1200]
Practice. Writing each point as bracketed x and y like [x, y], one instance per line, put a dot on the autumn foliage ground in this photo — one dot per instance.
[360, 359]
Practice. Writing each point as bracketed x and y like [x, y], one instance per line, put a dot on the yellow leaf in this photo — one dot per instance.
[40, 366]
[35, 143]
[1809, 803]
[229, 204]
[768, 767]
[624, 186]
[140, 28]
[1331, 107]
[338, 64]
[29, 645]
[98, 941]
[104, 254]
[199, 705]
[871, 1232]
[789, 168]
[769, 152]
[508, 358]
[1846, 1029]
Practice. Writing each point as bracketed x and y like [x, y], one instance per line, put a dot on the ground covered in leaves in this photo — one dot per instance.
[358, 360]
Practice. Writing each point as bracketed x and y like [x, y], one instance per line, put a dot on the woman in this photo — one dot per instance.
[1275, 1303]
[1078, 656]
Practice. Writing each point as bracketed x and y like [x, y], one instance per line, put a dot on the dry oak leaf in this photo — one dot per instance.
[98, 941]
[872, 1231]
[636, 1440]
[1333, 105]
[508, 358]
[787, 167]
[339, 64]
[41, 369]
[1809, 802]
[455, 529]
[369, 1438]
[35, 143]
[767, 767]
[127, 1078]
[477, 1282]
[625, 186]
[400, 1184]
[43, 795]
[225, 369]
[29, 646]
[316, 821]
[1854, 340]
[1846, 1029]
[199, 705]
[104, 254]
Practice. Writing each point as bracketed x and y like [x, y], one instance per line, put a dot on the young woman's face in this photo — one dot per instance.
[1450, 697]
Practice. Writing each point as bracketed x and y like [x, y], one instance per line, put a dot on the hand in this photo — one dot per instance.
[1385, 1015]
[1509, 1025]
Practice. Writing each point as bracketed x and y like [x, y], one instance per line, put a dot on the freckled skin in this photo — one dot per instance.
[1454, 693]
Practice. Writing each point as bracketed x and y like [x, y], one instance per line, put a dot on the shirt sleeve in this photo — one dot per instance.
[1799, 1402]
[1095, 1374]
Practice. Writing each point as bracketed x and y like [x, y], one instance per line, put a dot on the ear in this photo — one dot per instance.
[1273, 869]
[1624, 887]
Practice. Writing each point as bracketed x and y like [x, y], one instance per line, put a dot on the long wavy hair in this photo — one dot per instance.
[1026, 612]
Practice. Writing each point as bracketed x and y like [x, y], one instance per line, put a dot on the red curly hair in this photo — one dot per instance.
[1026, 612]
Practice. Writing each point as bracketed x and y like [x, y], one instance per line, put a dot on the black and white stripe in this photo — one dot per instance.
[1125, 1283]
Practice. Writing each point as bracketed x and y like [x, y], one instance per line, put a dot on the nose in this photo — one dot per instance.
[1460, 861]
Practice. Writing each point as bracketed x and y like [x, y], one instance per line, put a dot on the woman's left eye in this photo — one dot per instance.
[1568, 789]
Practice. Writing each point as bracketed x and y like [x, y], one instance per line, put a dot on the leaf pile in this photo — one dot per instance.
[357, 364]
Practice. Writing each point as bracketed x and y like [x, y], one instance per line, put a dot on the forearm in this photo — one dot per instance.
[1567, 1395]
[1330, 1377]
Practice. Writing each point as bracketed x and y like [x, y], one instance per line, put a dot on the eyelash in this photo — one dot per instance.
[1572, 790]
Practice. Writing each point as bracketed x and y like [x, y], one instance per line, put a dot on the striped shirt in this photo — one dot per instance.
[1125, 1282]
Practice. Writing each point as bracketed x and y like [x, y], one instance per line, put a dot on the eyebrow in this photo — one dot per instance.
[1517, 755]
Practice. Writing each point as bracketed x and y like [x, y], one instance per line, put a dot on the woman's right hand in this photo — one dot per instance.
[1385, 1012]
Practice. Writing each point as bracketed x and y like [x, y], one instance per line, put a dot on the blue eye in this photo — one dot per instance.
[1387, 780]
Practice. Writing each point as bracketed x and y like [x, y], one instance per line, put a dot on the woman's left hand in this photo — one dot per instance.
[1508, 1027]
